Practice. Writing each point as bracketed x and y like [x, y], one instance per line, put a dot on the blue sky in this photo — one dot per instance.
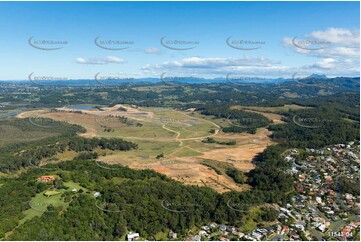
[271, 39]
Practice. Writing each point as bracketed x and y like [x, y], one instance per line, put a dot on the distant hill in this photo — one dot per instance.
[313, 79]
[318, 76]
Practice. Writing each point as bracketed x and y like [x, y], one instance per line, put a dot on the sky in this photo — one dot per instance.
[78, 40]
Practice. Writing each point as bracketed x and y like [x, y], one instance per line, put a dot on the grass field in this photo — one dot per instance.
[176, 134]
[39, 203]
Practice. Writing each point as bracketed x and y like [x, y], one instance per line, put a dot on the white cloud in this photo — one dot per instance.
[252, 66]
[326, 63]
[333, 42]
[340, 36]
[197, 62]
[334, 67]
[216, 66]
[341, 52]
[100, 61]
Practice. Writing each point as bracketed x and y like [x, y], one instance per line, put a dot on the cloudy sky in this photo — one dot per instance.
[267, 39]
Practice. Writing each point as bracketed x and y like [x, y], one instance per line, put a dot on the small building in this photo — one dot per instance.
[294, 151]
[322, 228]
[256, 235]
[45, 178]
[206, 228]
[202, 233]
[223, 239]
[132, 236]
[195, 238]
[294, 236]
[285, 230]
[288, 158]
[172, 235]
[212, 225]
[300, 226]
[239, 234]
[222, 227]
[231, 229]
[96, 194]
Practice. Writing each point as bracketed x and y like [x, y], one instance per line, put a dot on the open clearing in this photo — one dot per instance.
[175, 134]
[272, 113]
[42, 200]
[284, 108]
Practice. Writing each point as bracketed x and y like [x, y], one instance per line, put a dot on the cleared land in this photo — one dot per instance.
[174, 134]
[39, 203]
[284, 108]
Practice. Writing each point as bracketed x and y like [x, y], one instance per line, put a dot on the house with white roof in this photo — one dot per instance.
[132, 236]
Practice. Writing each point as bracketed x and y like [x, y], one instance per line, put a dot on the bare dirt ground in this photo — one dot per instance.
[189, 172]
[87, 121]
[242, 155]
[188, 168]
[276, 118]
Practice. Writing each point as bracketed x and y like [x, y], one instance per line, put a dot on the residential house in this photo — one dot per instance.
[132, 236]
[45, 178]
[172, 235]
[202, 233]
[222, 227]
[195, 238]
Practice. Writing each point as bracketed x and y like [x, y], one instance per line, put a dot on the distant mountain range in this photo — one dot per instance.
[179, 80]
[318, 76]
